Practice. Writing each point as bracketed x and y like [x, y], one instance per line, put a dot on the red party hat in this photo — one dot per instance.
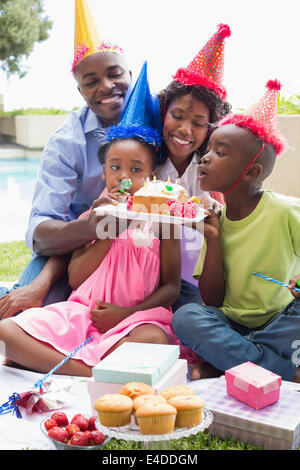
[206, 69]
[261, 118]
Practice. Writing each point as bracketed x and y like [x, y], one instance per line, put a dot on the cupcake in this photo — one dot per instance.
[146, 398]
[135, 389]
[177, 390]
[156, 418]
[114, 409]
[189, 410]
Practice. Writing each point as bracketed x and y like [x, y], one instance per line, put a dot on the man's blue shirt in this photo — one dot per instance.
[69, 178]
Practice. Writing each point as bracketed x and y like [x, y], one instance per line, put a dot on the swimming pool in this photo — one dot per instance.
[20, 172]
[17, 183]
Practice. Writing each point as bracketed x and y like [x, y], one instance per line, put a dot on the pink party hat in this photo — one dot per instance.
[206, 69]
[261, 118]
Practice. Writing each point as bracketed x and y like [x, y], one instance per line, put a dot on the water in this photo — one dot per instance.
[17, 182]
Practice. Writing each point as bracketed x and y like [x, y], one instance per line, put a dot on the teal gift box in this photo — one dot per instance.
[136, 362]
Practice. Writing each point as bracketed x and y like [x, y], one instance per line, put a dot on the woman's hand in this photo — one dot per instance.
[105, 316]
[292, 284]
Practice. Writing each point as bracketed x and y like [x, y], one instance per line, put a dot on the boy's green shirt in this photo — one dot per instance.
[267, 242]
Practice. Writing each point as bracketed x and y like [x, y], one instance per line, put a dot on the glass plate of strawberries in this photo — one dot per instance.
[76, 433]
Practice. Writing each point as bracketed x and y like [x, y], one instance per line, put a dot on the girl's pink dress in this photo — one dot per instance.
[127, 275]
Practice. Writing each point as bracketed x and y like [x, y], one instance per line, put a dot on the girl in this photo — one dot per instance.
[121, 292]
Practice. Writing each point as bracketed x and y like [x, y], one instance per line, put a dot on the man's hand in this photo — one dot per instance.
[105, 316]
[21, 299]
[292, 284]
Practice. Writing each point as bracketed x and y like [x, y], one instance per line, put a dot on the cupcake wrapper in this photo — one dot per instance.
[121, 418]
[188, 418]
[156, 424]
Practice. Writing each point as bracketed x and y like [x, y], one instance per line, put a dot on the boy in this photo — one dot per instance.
[68, 180]
[246, 318]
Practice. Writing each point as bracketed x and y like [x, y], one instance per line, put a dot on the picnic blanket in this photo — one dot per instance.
[25, 433]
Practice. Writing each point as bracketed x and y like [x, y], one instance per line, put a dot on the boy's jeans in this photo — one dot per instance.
[60, 290]
[225, 344]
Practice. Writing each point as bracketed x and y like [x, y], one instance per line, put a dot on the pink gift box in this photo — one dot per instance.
[275, 427]
[253, 385]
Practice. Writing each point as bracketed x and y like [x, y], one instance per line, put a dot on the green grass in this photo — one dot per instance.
[201, 441]
[14, 256]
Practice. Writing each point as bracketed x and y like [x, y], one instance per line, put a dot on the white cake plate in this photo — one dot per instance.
[121, 212]
[131, 432]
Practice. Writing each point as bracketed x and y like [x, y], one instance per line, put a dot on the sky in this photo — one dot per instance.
[264, 44]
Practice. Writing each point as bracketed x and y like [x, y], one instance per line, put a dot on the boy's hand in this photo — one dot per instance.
[209, 203]
[105, 316]
[212, 226]
[292, 284]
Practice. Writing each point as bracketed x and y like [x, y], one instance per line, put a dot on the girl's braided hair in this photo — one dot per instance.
[218, 108]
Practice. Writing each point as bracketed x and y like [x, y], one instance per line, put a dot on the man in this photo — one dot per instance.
[69, 178]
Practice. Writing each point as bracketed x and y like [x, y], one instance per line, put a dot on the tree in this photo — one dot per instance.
[22, 24]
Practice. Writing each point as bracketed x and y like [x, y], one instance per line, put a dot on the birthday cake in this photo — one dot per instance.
[164, 197]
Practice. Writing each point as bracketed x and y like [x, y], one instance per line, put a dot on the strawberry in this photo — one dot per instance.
[72, 428]
[79, 439]
[92, 426]
[59, 434]
[95, 438]
[60, 418]
[49, 423]
[81, 421]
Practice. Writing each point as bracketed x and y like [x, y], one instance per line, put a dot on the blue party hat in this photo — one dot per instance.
[140, 116]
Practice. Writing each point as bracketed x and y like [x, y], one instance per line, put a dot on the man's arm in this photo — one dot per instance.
[33, 294]
[56, 237]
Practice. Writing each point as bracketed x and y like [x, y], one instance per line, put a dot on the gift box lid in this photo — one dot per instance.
[280, 420]
[252, 374]
[140, 362]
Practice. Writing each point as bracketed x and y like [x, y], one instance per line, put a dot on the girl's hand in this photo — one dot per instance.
[292, 284]
[212, 226]
[115, 194]
[105, 316]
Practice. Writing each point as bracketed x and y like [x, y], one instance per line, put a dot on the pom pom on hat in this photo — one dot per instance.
[224, 30]
[273, 85]
[261, 118]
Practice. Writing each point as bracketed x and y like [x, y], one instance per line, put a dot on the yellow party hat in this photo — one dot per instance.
[86, 38]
